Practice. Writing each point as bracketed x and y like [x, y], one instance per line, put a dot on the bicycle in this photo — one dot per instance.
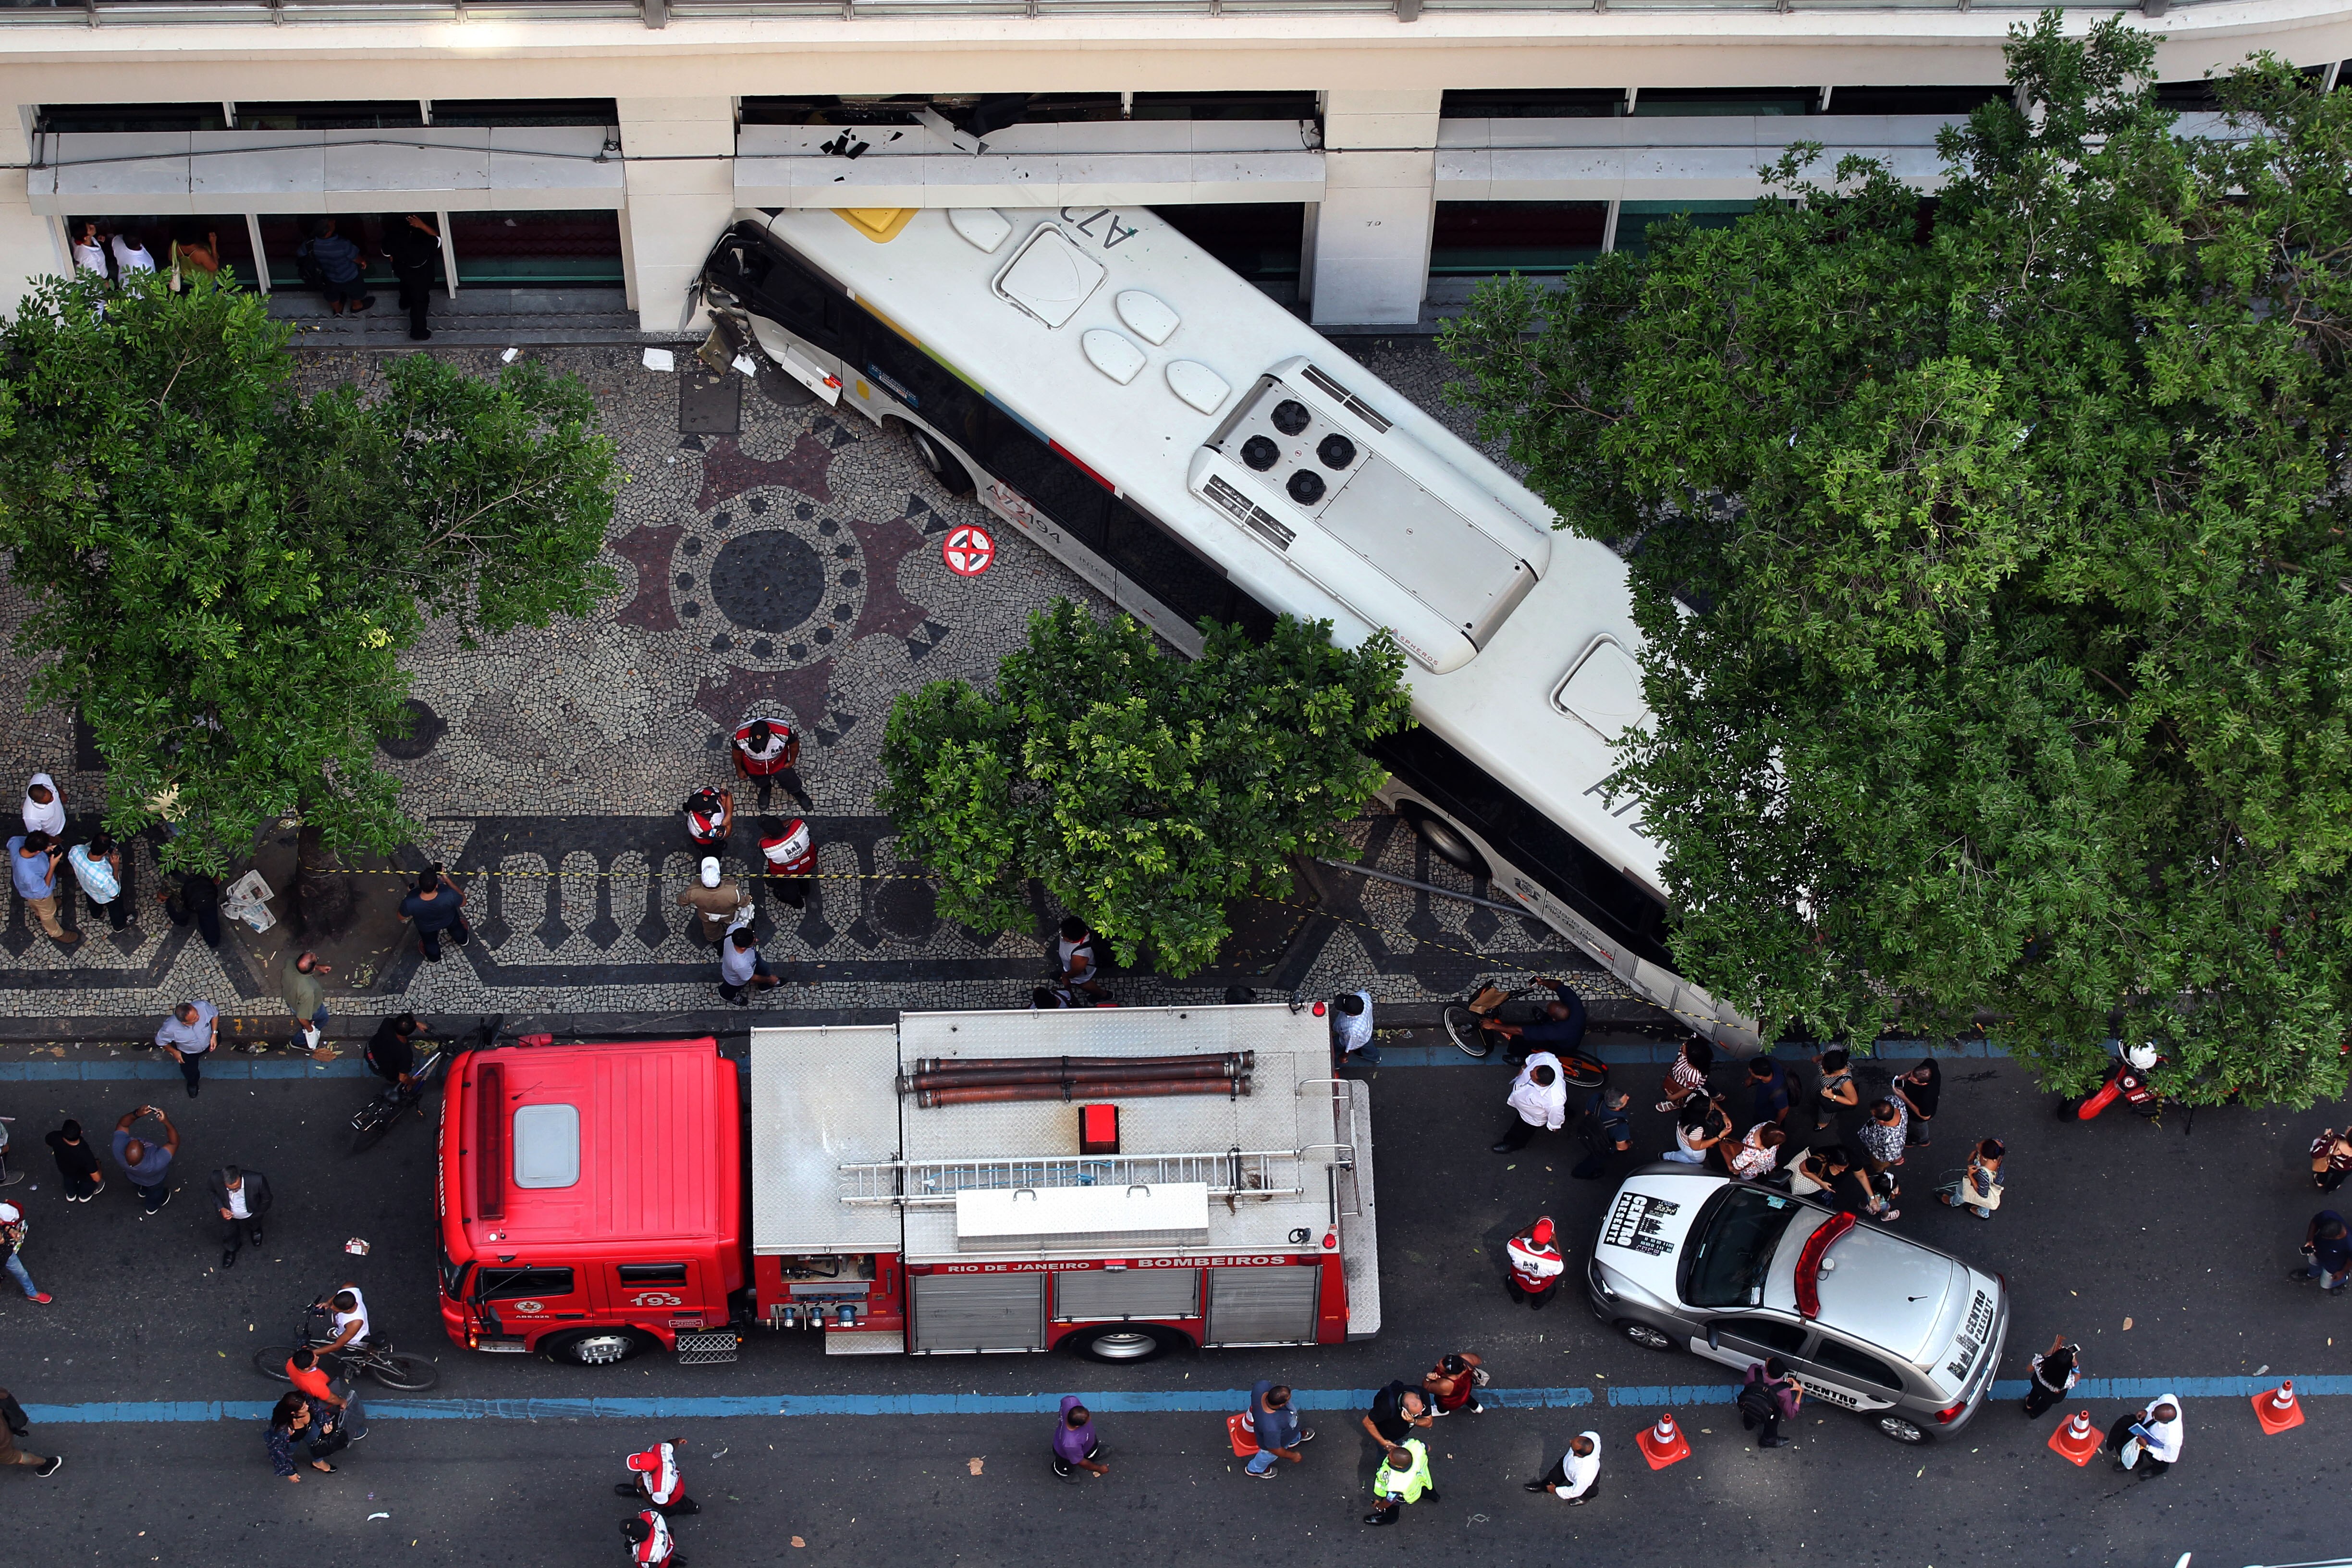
[378, 1360]
[371, 1121]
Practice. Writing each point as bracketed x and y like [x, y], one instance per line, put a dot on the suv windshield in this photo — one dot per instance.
[1725, 1265]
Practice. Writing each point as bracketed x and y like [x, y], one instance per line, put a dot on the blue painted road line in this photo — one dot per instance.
[1130, 1403]
[221, 1071]
[1623, 1055]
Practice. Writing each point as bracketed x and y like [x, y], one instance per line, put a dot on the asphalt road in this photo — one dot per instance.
[2184, 1236]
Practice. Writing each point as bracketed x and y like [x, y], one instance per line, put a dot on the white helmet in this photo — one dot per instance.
[711, 870]
[2142, 1055]
[10, 1214]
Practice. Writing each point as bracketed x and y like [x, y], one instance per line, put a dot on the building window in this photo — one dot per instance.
[1947, 100]
[525, 249]
[824, 109]
[503, 111]
[1535, 104]
[120, 117]
[223, 237]
[1225, 106]
[1259, 240]
[1473, 238]
[1744, 101]
[1634, 219]
[393, 114]
[2188, 96]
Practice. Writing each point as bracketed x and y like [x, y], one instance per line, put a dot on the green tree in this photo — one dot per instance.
[224, 572]
[1992, 561]
[1144, 791]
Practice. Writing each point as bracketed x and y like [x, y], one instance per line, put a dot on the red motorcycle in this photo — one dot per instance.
[2127, 1078]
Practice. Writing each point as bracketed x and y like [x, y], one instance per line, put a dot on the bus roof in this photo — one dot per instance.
[1553, 677]
[619, 1143]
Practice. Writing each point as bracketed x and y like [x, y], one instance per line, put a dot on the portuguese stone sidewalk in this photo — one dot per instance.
[768, 558]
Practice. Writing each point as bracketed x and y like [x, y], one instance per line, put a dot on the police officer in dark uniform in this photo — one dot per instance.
[414, 245]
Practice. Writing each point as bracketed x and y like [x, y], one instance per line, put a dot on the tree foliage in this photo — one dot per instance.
[224, 572]
[1144, 791]
[1994, 569]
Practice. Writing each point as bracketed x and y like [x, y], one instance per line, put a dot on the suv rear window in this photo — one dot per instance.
[1736, 1238]
[1844, 1358]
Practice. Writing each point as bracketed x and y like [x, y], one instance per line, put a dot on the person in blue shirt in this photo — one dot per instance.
[1561, 1030]
[1768, 1089]
[343, 266]
[33, 863]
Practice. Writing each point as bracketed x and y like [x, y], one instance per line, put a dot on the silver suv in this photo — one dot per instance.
[1866, 1320]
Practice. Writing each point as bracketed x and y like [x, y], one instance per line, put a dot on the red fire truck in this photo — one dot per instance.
[1116, 1182]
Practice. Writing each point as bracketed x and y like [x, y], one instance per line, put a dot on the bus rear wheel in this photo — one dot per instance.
[1446, 841]
[1120, 1345]
[939, 464]
[595, 1347]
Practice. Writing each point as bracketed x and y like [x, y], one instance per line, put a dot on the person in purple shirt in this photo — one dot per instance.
[1075, 1446]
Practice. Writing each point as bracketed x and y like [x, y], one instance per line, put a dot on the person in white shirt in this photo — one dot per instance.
[44, 808]
[1351, 1029]
[2149, 1440]
[1572, 1475]
[1539, 1100]
[130, 256]
[89, 251]
[351, 1313]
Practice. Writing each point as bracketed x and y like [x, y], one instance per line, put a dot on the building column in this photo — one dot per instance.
[30, 244]
[1370, 261]
[677, 206]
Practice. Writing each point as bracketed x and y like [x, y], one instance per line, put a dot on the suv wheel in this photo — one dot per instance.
[1645, 1336]
[1903, 1430]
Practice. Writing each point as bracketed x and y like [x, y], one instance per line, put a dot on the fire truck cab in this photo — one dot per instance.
[1089, 1211]
[590, 1200]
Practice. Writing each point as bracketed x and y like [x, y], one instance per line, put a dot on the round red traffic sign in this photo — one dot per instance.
[968, 550]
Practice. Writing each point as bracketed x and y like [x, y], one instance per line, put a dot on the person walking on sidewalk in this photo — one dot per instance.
[149, 1166]
[1767, 1397]
[44, 808]
[2051, 1375]
[1403, 1478]
[240, 1197]
[77, 1163]
[435, 907]
[1351, 1030]
[33, 860]
[1454, 1382]
[189, 1035]
[1075, 1446]
[14, 1425]
[1835, 1094]
[1539, 1100]
[297, 983]
[1571, 1475]
[1276, 1424]
[14, 1227]
[2325, 1242]
[1535, 1265]
[104, 877]
[742, 970]
[720, 902]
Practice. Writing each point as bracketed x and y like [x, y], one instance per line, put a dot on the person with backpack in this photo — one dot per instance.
[1080, 963]
[1767, 1397]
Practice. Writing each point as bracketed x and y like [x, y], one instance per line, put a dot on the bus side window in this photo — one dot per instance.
[781, 290]
[1255, 620]
[1149, 557]
[1047, 479]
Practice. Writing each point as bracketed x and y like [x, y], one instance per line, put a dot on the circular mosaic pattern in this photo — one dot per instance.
[769, 579]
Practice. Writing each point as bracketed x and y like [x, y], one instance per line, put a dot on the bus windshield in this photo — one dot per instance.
[1725, 1265]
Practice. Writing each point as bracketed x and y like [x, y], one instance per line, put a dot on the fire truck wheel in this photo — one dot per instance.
[1118, 1343]
[595, 1347]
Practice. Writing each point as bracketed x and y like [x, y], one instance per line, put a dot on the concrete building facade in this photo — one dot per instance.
[1368, 161]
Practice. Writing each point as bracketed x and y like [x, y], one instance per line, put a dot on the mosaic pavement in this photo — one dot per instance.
[795, 565]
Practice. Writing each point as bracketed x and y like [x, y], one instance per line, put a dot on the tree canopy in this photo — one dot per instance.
[225, 572]
[1991, 555]
[1144, 791]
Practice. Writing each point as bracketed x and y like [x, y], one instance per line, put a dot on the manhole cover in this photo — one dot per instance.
[770, 581]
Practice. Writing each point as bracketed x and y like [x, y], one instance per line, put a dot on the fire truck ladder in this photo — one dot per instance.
[1235, 1174]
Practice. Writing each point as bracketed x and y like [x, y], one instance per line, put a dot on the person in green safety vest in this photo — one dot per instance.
[1402, 1478]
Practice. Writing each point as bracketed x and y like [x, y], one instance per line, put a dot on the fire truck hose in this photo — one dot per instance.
[937, 1073]
[1077, 1089]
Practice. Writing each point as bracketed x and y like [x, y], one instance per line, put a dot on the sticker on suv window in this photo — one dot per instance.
[1635, 1222]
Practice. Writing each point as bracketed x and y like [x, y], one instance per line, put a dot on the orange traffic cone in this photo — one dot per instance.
[1662, 1445]
[2077, 1439]
[2277, 1410]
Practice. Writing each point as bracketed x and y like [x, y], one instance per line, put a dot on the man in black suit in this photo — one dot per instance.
[240, 1197]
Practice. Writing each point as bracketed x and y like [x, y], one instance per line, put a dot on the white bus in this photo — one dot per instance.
[1192, 449]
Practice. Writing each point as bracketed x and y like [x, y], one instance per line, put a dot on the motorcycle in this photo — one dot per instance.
[2127, 1080]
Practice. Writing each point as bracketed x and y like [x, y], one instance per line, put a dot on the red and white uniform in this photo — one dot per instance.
[707, 826]
[793, 853]
[658, 1465]
[1537, 1264]
[656, 1548]
[758, 761]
